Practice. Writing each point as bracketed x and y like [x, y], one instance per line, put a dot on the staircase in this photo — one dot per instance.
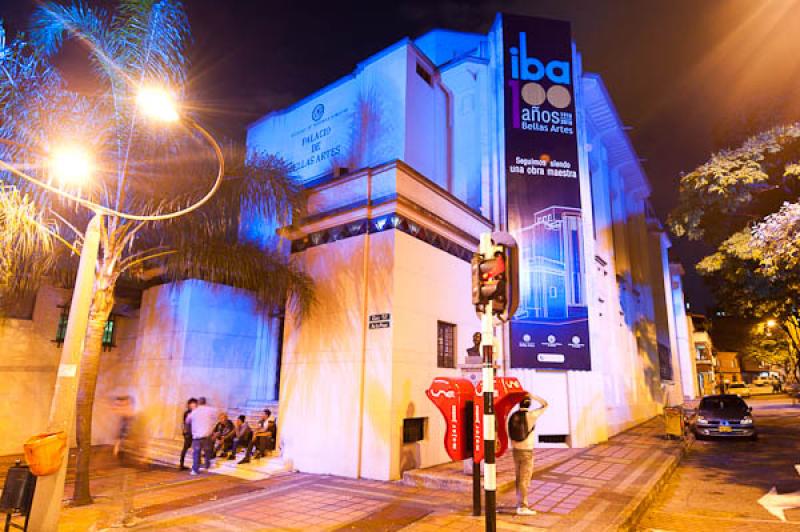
[168, 452]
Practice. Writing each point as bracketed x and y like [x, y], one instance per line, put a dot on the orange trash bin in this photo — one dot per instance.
[44, 452]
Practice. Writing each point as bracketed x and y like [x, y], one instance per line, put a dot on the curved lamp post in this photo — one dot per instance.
[72, 166]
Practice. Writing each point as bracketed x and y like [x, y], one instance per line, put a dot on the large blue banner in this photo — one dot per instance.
[551, 328]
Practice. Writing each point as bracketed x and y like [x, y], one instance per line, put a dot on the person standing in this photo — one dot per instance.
[521, 426]
[127, 449]
[202, 420]
[191, 404]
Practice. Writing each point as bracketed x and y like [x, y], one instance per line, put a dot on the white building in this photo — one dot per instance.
[406, 163]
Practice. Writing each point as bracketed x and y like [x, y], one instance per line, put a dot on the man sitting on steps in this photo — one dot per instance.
[243, 436]
[263, 438]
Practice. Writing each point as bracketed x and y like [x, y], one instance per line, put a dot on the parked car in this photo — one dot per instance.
[724, 415]
[739, 388]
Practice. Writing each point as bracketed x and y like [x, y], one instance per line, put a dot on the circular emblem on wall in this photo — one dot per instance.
[317, 112]
[526, 338]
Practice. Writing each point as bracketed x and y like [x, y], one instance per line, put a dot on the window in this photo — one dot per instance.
[664, 362]
[413, 429]
[108, 330]
[446, 345]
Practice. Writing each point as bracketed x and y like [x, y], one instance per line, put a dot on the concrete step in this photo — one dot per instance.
[167, 452]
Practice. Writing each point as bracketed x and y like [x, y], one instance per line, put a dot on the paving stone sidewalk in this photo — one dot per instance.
[604, 487]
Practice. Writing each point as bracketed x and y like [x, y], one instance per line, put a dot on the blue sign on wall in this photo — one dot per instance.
[551, 327]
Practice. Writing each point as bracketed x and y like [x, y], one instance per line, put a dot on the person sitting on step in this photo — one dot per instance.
[243, 435]
[263, 437]
[223, 434]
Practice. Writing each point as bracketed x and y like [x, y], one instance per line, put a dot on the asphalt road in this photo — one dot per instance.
[719, 483]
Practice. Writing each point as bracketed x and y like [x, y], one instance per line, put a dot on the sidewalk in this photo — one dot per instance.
[605, 487]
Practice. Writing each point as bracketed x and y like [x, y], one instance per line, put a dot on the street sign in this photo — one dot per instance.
[380, 321]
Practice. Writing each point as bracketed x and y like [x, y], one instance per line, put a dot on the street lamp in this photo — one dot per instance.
[770, 324]
[71, 165]
[157, 104]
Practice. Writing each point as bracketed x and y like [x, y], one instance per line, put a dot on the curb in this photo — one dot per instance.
[641, 502]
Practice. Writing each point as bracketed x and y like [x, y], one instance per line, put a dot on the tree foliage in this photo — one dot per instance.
[744, 201]
[770, 345]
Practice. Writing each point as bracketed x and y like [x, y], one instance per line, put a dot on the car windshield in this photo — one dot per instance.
[721, 403]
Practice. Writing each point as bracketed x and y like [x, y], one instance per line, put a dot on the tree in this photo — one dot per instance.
[743, 202]
[139, 169]
[770, 345]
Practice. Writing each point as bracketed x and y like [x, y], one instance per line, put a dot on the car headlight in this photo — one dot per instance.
[747, 421]
[701, 420]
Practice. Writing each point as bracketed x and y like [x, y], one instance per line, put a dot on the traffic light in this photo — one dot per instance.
[494, 277]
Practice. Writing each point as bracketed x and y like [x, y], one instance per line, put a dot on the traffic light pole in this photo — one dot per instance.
[487, 344]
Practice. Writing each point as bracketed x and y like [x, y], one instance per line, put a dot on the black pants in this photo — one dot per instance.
[262, 442]
[243, 443]
[187, 444]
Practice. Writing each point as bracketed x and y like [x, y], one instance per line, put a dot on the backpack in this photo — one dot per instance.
[518, 429]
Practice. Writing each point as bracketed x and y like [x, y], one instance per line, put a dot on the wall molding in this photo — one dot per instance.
[379, 224]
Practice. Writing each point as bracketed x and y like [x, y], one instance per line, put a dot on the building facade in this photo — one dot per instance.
[705, 359]
[405, 160]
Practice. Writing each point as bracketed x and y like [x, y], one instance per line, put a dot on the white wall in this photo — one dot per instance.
[194, 339]
[429, 286]
[320, 394]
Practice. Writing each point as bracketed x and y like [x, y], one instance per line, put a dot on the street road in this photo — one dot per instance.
[719, 483]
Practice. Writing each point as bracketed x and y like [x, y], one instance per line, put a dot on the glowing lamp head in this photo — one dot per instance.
[71, 165]
[771, 323]
[157, 104]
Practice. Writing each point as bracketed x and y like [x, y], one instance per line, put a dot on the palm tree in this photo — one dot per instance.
[139, 169]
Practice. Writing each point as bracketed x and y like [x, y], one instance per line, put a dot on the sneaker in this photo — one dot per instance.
[244, 461]
[524, 510]
[182, 468]
[193, 472]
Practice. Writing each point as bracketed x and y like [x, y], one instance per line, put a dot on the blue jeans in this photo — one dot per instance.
[200, 447]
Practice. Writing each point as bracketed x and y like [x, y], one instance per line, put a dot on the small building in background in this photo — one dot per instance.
[704, 356]
[729, 370]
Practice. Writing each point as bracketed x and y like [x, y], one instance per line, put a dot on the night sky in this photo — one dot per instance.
[688, 76]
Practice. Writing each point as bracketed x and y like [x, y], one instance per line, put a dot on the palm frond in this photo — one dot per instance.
[152, 36]
[26, 246]
[53, 22]
[274, 279]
